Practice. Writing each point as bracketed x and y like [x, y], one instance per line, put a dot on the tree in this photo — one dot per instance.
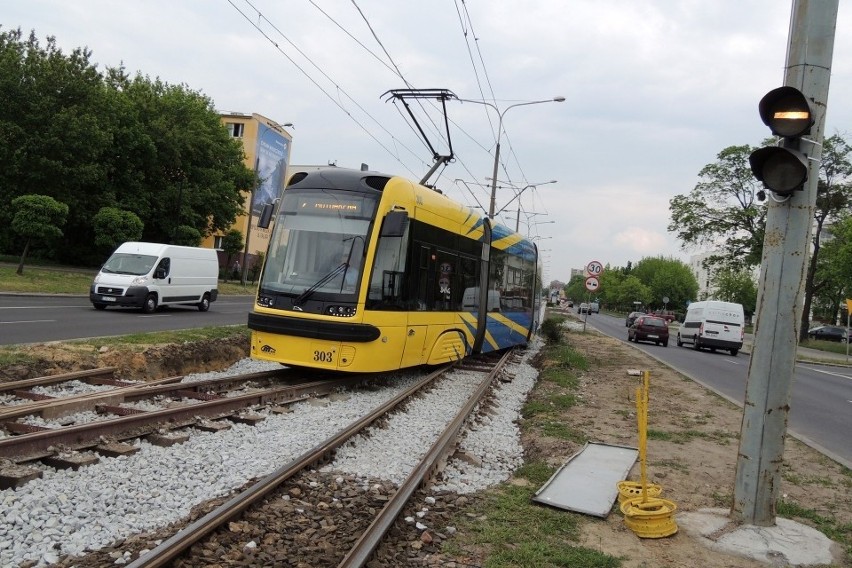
[667, 278]
[187, 236]
[114, 226]
[93, 140]
[631, 290]
[834, 193]
[722, 210]
[37, 217]
[54, 139]
[199, 179]
[232, 243]
[736, 285]
[834, 272]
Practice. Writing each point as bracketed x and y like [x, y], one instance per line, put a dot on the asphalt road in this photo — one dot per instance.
[38, 319]
[821, 401]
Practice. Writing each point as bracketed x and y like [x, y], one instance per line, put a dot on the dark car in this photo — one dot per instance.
[668, 316]
[649, 328]
[631, 317]
[829, 333]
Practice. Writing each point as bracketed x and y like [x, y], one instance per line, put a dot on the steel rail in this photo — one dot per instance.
[60, 406]
[178, 543]
[364, 547]
[35, 445]
[53, 379]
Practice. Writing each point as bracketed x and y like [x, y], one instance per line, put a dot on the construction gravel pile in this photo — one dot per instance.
[74, 512]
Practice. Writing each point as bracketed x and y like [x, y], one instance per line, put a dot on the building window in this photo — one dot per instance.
[217, 242]
[235, 129]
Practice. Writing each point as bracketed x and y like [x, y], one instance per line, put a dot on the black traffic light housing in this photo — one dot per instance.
[783, 169]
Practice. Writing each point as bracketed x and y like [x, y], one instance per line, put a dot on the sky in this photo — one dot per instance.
[654, 90]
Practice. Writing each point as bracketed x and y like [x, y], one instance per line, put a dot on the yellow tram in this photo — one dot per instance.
[368, 272]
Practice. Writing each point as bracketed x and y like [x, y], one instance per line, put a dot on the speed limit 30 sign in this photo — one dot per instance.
[594, 268]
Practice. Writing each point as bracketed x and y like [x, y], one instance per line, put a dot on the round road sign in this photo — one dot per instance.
[592, 284]
[594, 268]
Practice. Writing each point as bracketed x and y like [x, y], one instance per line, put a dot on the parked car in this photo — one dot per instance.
[631, 317]
[649, 328]
[583, 308]
[829, 333]
[668, 316]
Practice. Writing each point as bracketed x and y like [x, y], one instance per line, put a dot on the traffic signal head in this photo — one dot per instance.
[783, 169]
[786, 112]
[780, 169]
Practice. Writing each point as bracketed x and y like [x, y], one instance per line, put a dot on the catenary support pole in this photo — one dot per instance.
[786, 248]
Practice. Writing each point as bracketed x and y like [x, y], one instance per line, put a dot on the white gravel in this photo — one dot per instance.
[72, 512]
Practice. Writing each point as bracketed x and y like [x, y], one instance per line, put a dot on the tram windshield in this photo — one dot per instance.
[318, 243]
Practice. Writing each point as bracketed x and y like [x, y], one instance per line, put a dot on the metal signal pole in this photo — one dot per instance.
[786, 248]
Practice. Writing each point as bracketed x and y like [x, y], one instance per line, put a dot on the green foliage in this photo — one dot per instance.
[722, 210]
[519, 532]
[232, 242]
[38, 216]
[736, 285]
[114, 226]
[93, 140]
[666, 278]
[551, 328]
[841, 533]
[187, 236]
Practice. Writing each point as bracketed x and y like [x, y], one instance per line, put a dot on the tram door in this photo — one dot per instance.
[420, 314]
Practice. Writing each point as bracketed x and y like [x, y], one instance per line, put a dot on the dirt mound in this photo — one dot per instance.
[133, 362]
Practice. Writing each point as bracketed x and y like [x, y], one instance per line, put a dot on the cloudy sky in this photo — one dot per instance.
[653, 89]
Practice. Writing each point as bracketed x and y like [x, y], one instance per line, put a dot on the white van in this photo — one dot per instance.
[714, 325]
[149, 275]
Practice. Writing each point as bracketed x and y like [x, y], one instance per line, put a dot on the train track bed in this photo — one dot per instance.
[122, 506]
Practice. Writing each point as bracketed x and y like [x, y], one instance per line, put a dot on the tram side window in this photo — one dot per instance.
[518, 285]
[424, 291]
[449, 292]
[387, 277]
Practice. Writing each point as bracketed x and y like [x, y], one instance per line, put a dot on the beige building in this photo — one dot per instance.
[267, 151]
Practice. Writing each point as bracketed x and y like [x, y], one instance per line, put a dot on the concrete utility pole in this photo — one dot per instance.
[786, 249]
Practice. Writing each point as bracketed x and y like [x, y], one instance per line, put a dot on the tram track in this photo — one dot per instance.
[364, 544]
[210, 401]
[135, 503]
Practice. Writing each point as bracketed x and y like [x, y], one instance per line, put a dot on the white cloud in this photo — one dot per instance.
[654, 90]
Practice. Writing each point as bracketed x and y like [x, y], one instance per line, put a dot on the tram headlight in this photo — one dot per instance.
[340, 311]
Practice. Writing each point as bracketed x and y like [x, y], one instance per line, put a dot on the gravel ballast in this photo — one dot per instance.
[74, 512]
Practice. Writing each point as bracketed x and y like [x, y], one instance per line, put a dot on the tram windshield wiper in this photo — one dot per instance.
[300, 299]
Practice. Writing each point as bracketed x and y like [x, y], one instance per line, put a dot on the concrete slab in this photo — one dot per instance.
[788, 543]
[587, 482]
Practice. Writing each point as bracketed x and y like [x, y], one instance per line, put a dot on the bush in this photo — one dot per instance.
[551, 329]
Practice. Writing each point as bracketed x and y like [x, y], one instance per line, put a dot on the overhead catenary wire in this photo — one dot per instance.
[336, 102]
[348, 104]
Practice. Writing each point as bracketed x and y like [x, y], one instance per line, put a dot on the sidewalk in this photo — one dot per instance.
[805, 355]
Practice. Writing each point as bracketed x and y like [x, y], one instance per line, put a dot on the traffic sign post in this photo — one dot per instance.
[592, 272]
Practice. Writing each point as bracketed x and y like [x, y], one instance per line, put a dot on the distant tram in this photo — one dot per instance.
[368, 272]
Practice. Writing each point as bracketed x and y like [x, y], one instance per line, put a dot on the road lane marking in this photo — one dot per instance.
[38, 307]
[830, 373]
[29, 321]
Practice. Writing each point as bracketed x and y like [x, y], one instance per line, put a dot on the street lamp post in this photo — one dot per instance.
[499, 134]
